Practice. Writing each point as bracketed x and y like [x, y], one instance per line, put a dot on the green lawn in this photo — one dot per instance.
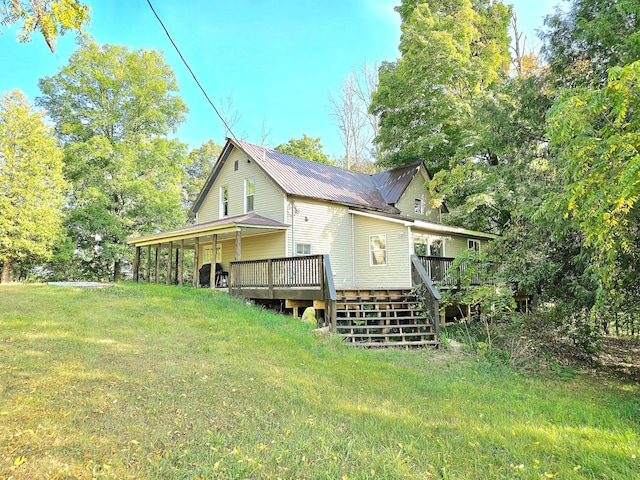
[146, 381]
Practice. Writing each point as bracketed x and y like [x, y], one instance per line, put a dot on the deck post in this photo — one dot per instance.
[148, 263]
[238, 245]
[181, 264]
[212, 272]
[136, 265]
[270, 277]
[169, 262]
[158, 252]
[175, 267]
[196, 280]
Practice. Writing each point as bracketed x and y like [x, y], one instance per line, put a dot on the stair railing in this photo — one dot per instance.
[329, 294]
[426, 291]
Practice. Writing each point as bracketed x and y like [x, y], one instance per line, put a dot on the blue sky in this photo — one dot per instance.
[276, 59]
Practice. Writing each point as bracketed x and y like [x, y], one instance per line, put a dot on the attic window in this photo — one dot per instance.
[224, 201]
[235, 166]
[418, 206]
[249, 189]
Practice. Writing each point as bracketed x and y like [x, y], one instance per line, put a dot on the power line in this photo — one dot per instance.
[191, 72]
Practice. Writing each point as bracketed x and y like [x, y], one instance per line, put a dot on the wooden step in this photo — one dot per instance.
[423, 343]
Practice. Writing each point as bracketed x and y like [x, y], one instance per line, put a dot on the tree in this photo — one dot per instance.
[31, 184]
[358, 127]
[582, 44]
[51, 18]
[452, 52]
[113, 108]
[198, 167]
[596, 133]
[306, 147]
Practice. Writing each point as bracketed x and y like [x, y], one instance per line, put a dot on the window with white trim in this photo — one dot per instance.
[436, 248]
[418, 206]
[378, 250]
[224, 201]
[475, 245]
[303, 249]
[249, 190]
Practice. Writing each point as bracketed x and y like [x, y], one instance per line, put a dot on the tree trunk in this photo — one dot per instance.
[117, 274]
[7, 271]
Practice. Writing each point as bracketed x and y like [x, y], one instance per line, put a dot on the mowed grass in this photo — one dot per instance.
[147, 381]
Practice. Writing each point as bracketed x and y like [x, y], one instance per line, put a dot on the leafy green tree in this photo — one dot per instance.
[306, 147]
[583, 43]
[113, 109]
[451, 53]
[31, 184]
[198, 167]
[596, 133]
[51, 18]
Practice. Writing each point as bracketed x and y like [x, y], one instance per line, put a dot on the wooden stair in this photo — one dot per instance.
[383, 318]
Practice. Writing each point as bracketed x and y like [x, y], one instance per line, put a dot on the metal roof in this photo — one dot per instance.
[248, 220]
[393, 183]
[306, 178]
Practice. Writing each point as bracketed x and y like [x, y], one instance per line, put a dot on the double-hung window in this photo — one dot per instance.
[377, 250]
[249, 190]
[224, 201]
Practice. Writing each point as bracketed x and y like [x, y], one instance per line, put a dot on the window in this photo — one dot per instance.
[417, 207]
[224, 201]
[303, 249]
[421, 249]
[249, 189]
[436, 248]
[378, 250]
[207, 254]
[475, 245]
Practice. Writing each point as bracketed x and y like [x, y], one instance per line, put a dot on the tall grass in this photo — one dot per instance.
[147, 381]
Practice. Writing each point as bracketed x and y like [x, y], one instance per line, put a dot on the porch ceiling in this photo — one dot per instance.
[226, 228]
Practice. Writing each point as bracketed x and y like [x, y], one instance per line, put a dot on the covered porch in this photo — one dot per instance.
[161, 257]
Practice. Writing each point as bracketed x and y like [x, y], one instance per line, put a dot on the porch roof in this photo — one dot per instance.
[249, 224]
[421, 225]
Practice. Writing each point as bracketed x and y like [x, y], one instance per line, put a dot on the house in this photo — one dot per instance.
[276, 222]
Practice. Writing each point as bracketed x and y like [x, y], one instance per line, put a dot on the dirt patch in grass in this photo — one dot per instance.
[620, 357]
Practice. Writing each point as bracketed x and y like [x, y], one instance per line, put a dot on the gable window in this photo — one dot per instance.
[418, 207]
[249, 190]
[303, 249]
[224, 201]
[436, 248]
[475, 245]
[377, 250]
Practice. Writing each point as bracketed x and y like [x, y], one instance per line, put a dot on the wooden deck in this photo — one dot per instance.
[406, 317]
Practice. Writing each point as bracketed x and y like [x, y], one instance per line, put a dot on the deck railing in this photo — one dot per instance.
[300, 272]
[439, 270]
[306, 277]
[427, 292]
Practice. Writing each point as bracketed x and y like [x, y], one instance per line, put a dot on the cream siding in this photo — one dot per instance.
[454, 244]
[254, 247]
[327, 228]
[396, 273]
[417, 189]
[269, 199]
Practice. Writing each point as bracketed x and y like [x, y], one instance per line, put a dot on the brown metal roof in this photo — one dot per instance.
[393, 183]
[305, 178]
